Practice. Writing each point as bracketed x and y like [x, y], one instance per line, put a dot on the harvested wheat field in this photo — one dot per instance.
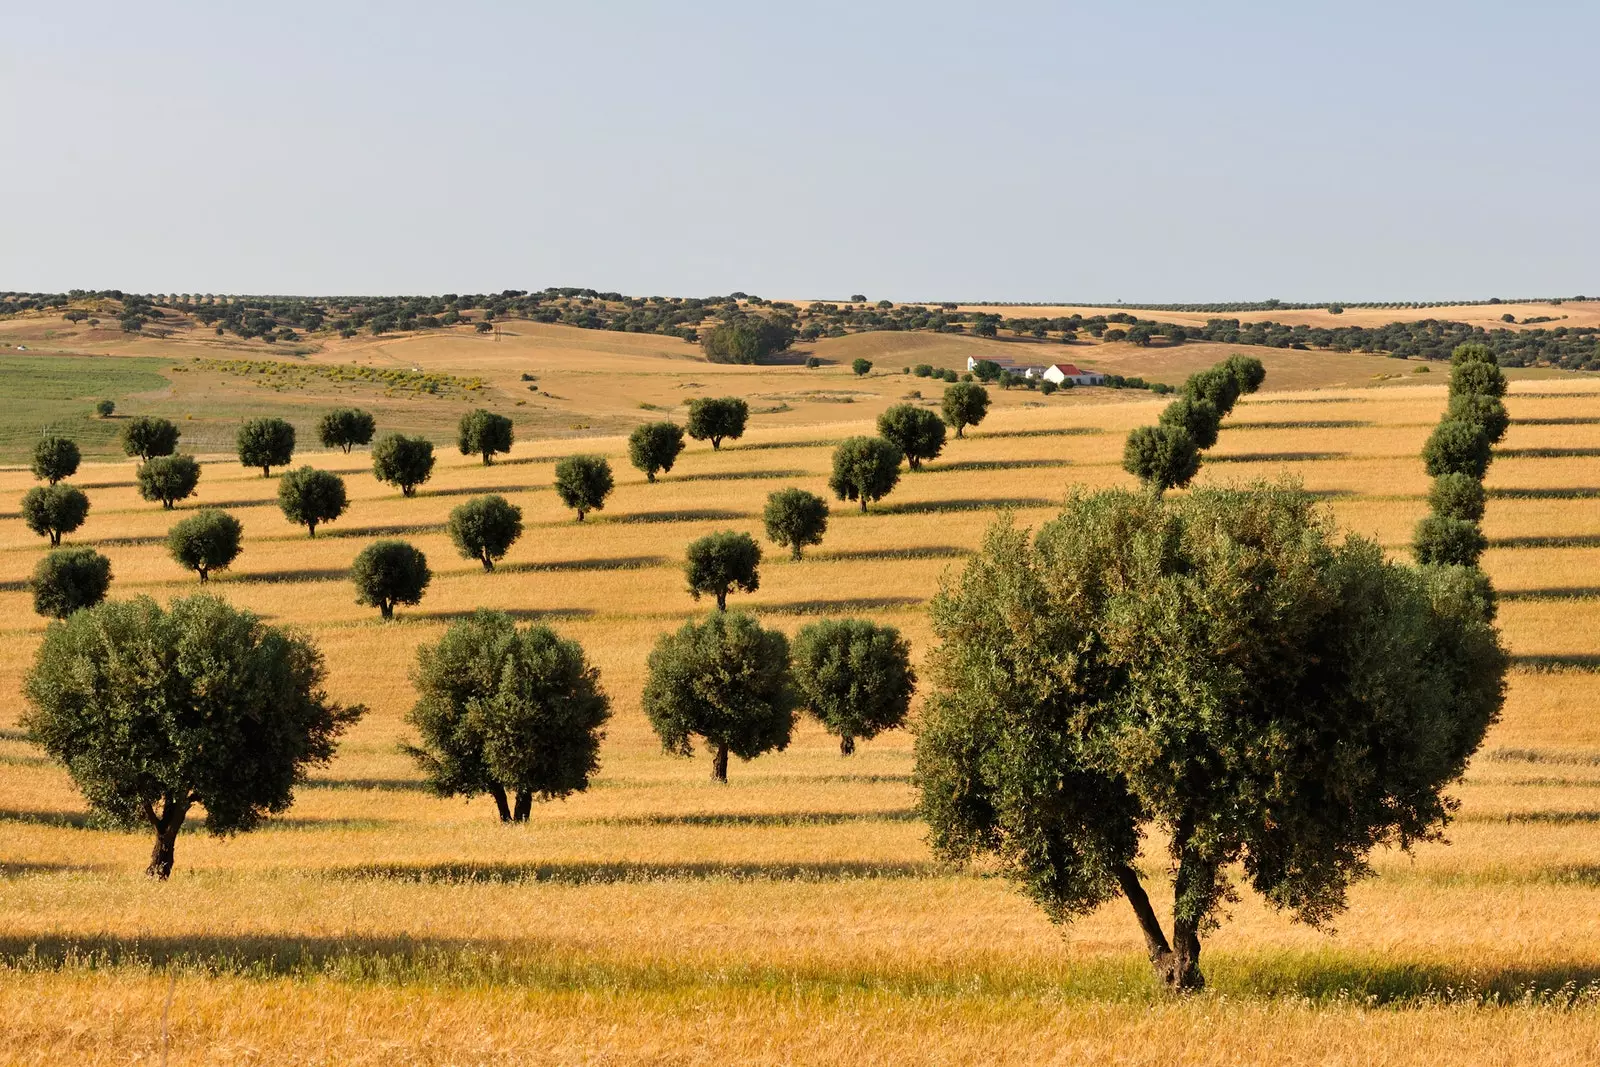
[796, 913]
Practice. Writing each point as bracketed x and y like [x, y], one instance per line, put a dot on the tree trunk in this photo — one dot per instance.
[488, 564]
[312, 527]
[863, 503]
[1178, 969]
[796, 550]
[722, 600]
[266, 472]
[524, 806]
[203, 576]
[166, 825]
[719, 765]
[386, 609]
[55, 538]
[500, 802]
[580, 514]
[847, 745]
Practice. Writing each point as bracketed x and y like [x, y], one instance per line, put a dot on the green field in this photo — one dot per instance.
[58, 393]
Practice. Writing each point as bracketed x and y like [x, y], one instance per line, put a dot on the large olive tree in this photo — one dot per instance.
[153, 712]
[855, 676]
[517, 714]
[1218, 673]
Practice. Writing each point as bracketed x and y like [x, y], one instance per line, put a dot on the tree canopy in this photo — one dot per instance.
[864, 469]
[717, 563]
[583, 483]
[345, 428]
[916, 431]
[266, 443]
[209, 540]
[747, 338]
[716, 419]
[55, 458]
[855, 676]
[795, 518]
[310, 497]
[654, 447]
[485, 528]
[53, 510]
[402, 461]
[964, 404]
[483, 433]
[390, 573]
[147, 437]
[68, 580]
[168, 479]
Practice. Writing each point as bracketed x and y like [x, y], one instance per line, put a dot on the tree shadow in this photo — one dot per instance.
[18, 586]
[579, 872]
[1274, 457]
[1570, 592]
[760, 819]
[1549, 817]
[1062, 431]
[480, 490]
[525, 614]
[374, 785]
[614, 563]
[1385, 980]
[75, 820]
[1302, 424]
[829, 607]
[939, 507]
[309, 574]
[1572, 420]
[740, 476]
[127, 542]
[869, 554]
[997, 465]
[26, 869]
[1583, 492]
[1537, 541]
[1575, 662]
[684, 515]
[762, 446]
[373, 531]
[1546, 453]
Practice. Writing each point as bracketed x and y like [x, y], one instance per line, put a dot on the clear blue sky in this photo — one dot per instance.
[1003, 151]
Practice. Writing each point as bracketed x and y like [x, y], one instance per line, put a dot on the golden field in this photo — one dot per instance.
[796, 913]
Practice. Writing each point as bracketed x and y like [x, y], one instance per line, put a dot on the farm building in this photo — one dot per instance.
[1061, 373]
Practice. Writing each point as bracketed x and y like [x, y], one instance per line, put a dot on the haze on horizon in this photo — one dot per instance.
[1016, 151]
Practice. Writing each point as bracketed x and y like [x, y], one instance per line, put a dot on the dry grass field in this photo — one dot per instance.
[796, 913]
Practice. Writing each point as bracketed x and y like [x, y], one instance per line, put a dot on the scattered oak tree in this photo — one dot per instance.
[483, 433]
[861, 367]
[516, 714]
[152, 712]
[864, 469]
[168, 479]
[345, 428]
[964, 404]
[1458, 447]
[403, 461]
[266, 443]
[917, 432]
[1185, 668]
[795, 518]
[209, 540]
[1488, 412]
[485, 528]
[1195, 416]
[147, 437]
[309, 497]
[53, 510]
[654, 447]
[55, 458]
[389, 573]
[583, 483]
[1162, 457]
[855, 676]
[105, 408]
[726, 681]
[68, 580]
[716, 419]
[717, 563]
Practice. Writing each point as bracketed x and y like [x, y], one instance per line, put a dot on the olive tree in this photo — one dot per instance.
[55, 458]
[1457, 496]
[389, 573]
[147, 437]
[917, 432]
[153, 712]
[517, 714]
[716, 419]
[861, 367]
[1487, 411]
[654, 447]
[68, 580]
[485, 528]
[209, 540]
[344, 428]
[726, 681]
[1162, 457]
[717, 563]
[402, 461]
[1215, 672]
[483, 433]
[1477, 378]
[309, 497]
[855, 676]
[1445, 539]
[265, 443]
[105, 408]
[1197, 417]
[964, 404]
[168, 479]
[583, 483]
[1458, 447]
[53, 510]
[795, 518]
[864, 469]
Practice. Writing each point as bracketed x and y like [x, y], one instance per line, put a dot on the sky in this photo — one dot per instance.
[1146, 152]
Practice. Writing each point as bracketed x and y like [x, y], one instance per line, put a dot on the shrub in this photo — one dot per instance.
[209, 540]
[1457, 496]
[795, 518]
[855, 676]
[1162, 457]
[864, 469]
[345, 428]
[717, 418]
[146, 745]
[922, 370]
[55, 458]
[1075, 709]
[517, 714]
[68, 580]
[168, 479]
[390, 573]
[725, 680]
[917, 432]
[1048, 387]
[485, 528]
[148, 437]
[1457, 447]
[1197, 417]
[654, 447]
[309, 497]
[964, 404]
[265, 443]
[1487, 411]
[861, 366]
[483, 433]
[583, 483]
[718, 562]
[105, 408]
[987, 370]
[1443, 539]
[53, 510]
[402, 461]
[812, 363]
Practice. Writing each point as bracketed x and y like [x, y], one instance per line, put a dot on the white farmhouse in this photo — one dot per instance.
[1061, 373]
